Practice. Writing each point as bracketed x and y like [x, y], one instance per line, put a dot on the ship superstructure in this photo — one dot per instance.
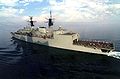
[61, 38]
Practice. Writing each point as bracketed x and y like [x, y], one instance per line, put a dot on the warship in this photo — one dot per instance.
[61, 38]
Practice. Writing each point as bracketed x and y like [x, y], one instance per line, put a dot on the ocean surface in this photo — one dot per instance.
[21, 60]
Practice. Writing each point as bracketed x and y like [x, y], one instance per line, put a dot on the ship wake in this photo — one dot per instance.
[115, 54]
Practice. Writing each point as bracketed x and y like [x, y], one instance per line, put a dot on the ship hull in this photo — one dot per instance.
[59, 56]
[55, 54]
[68, 62]
[52, 43]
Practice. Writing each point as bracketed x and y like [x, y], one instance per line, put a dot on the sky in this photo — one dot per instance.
[62, 10]
[91, 18]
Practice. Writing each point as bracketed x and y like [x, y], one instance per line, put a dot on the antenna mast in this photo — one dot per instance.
[50, 20]
[31, 21]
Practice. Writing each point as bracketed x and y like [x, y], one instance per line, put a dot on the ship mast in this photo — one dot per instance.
[31, 21]
[50, 20]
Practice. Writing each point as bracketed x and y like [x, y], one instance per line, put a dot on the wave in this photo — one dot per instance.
[115, 54]
[10, 57]
[3, 48]
[10, 53]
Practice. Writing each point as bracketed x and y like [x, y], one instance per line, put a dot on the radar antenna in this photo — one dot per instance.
[31, 21]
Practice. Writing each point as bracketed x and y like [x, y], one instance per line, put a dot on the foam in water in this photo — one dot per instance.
[115, 54]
